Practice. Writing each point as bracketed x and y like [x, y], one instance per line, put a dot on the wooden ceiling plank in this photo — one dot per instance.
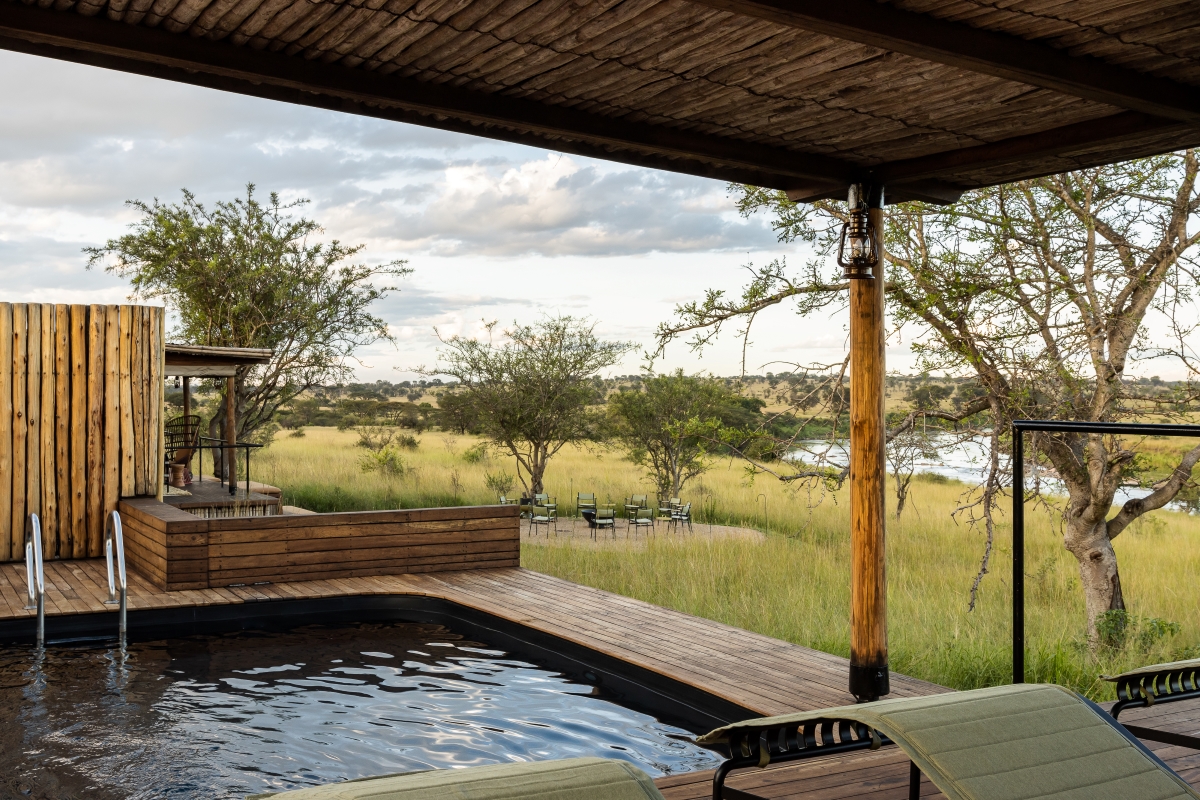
[460, 52]
[257, 72]
[987, 52]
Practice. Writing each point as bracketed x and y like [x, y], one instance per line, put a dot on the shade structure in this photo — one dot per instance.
[930, 97]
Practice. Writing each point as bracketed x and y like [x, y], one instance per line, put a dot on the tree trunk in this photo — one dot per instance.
[537, 469]
[1098, 572]
[901, 495]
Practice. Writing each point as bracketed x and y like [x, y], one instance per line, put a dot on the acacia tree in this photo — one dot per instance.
[656, 425]
[531, 392]
[1046, 292]
[245, 274]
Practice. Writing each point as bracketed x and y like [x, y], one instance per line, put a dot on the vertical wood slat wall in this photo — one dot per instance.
[81, 397]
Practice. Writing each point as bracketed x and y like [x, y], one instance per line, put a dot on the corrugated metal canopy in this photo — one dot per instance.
[929, 97]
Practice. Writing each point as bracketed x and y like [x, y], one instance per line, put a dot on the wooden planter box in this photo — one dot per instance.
[177, 550]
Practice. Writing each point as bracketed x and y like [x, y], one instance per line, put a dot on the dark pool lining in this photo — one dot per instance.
[671, 701]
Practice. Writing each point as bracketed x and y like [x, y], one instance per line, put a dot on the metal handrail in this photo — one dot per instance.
[35, 575]
[114, 540]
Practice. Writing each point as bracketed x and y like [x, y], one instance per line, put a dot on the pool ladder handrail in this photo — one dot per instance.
[35, 575]
[118, 589]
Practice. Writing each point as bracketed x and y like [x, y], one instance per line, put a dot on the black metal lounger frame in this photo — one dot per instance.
[792, 741]
[1148, 689]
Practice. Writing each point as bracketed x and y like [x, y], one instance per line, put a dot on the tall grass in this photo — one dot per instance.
[794, 585]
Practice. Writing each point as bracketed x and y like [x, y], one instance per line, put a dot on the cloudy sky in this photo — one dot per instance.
[493, 231]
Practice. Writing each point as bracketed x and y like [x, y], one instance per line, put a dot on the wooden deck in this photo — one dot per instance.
[213, 494]
[757, 672]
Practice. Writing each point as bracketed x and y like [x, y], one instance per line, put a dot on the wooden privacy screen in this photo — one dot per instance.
[176, 550]
[81, 395]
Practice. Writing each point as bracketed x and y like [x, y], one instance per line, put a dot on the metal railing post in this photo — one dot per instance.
[118, 590]
[35, 575]
[1018, 632]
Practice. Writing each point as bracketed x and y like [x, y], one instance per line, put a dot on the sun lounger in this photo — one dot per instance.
[568, 779]
[1003, 743]
[1154, 684]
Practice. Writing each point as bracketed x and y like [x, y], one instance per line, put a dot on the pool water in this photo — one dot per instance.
[227, 716]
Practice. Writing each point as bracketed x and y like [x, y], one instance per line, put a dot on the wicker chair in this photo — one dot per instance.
[181, 437]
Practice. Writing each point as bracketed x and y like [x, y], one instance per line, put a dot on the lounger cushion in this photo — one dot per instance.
[1191, 665]
[568, 779]
[1010, 743]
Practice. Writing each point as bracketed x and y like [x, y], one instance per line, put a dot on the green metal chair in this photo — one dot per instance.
[543, 515]
[682, 515]
[606, 517]
[546, 500]
[585, 502]
[665, 510]
[643, 518]
[632, 505]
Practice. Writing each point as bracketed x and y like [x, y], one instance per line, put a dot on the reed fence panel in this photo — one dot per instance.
[80, 414]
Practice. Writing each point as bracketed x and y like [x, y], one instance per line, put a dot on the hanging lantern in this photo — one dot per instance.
[857, 254]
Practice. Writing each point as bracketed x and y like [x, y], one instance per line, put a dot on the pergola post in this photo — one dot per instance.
[868, 596]
[231, 432]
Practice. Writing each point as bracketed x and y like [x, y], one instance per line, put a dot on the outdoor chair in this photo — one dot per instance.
[632, 504]
[665, 510]
[567, 779]
[1155, 684]
[542, 515]
[606, 517]
[585, 502]
[682, 515]
[1001, 743]
[504, 501]
[643, 518]
[546, 500]
[181, 437]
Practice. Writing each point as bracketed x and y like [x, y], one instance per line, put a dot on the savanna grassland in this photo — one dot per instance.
[794, 583]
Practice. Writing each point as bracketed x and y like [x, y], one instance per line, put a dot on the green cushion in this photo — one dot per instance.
[568, 779]
[1192, 664]
[1009, 743]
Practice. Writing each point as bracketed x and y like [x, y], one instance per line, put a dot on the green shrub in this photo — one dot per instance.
[500, 483]
[477, 454]
[388, 461]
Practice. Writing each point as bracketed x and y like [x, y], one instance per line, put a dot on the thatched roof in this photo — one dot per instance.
[928, 96]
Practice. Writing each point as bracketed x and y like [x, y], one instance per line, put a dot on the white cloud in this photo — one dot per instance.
[494, 231]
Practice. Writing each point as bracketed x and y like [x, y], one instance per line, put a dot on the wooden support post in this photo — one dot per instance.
[187, 396]
[868, 596]
[231, 432]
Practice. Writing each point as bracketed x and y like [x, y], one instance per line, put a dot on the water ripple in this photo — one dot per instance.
[226, 716]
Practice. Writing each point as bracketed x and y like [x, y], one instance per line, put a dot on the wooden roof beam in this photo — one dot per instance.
[977, 50]
[100, 42]
[1114, 129]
